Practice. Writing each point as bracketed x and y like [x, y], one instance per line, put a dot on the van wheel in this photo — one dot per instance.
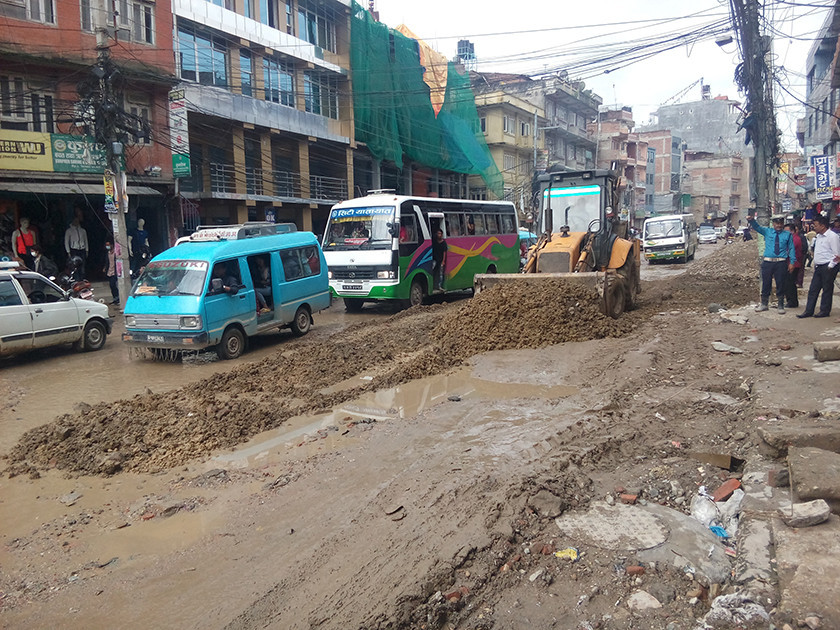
[232, 344]
[302, 321]
[614, 299]
[353, 305]
[94, 336]
[416, 294]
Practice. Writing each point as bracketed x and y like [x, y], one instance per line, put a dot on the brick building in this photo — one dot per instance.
[50, 167]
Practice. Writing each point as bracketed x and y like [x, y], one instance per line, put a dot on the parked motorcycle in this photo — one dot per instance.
[67, 281]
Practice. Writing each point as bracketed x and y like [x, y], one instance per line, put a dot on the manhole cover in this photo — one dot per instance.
[617, 527]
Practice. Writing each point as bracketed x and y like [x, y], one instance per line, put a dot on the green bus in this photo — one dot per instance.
[380, 247]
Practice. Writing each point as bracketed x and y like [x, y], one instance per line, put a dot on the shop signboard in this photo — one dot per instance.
[77, 154]
[25, 151]
[179, 134]
[822, 176]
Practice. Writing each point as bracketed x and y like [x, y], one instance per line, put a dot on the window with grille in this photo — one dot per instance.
[136, 20]
[321, 94]
[508, 162]
[24, 106]
[279, 80]
[140, 111]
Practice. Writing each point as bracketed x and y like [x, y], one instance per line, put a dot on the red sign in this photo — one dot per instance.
[835, 194]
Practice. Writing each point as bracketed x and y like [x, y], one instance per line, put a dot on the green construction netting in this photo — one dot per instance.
[393, 109]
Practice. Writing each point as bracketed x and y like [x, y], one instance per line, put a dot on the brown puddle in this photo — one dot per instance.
[396, 403]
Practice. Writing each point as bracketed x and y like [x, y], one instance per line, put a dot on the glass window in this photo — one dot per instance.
[300, 262]
[172, 277]
[25, 107]
[360, 228]
[246, 71]
[321, 94]
[87, 18]
[408, 228]
[508, 224]
[202, 57]
[8, 293]
[278, 77]
[454, 224]
[316, 24]
[480, 226]
[492, 223]
[39, 290]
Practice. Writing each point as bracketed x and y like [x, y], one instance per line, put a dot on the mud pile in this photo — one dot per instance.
[152, 432]
[529, 313]
[729, 276]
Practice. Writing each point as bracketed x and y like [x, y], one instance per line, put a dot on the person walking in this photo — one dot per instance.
[111, 271]
[826, 265]
[777, 261]
[439, 250]
[799, 246]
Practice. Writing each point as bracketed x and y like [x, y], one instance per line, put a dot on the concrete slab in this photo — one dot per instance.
[779, 438]
[815, 474]
[807, 561]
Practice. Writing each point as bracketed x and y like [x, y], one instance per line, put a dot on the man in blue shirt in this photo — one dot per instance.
[777, 260]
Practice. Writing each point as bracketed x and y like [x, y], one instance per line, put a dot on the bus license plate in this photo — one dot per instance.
[351, 287]
[154, 338]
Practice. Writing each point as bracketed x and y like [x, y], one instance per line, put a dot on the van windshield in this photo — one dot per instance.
[171, 277]
[360, 228]
[663, 229]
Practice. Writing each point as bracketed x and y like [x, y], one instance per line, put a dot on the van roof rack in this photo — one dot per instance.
[236, 232]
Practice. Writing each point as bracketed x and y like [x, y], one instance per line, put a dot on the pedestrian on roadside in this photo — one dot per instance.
[835, 226]
[809, 236]
[42, 264]
[747, 234]
[439, 250]
[826, 265]
[793, 281]
[111, 271]
[777, 261]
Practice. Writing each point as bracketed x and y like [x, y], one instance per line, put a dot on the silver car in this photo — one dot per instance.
[35, 313]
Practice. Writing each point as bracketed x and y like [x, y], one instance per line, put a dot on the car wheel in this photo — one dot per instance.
[232, 344]
[302, 321]
[353, 305]
[94, 336]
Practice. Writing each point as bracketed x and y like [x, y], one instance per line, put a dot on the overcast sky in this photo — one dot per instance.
[537, 36]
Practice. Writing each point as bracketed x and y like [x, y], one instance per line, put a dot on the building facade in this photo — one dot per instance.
[270, 115]
[717, 185]
[51, 170]
[664, 174]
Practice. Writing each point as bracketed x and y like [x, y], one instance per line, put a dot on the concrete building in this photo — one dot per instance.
[716, 184]
[50, 167]
[817, 131]
[508, 120]
[663, 194]
[619, 147]
[269, 109]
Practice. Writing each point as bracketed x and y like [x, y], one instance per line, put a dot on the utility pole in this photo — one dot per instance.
[753, 75]
[106, 122]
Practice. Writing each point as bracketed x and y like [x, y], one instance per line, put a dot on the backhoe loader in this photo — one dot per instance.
[582, 240]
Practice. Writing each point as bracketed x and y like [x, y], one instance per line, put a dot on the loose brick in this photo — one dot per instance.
[629, 499]
[635, 570]
[726, 489]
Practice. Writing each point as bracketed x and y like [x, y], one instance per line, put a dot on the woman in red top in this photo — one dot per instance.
[23, 240]
[799, 247]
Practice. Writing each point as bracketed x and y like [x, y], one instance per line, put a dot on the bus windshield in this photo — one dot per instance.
[171, 277]
[578, 207]
[663, 229]
[360, 228]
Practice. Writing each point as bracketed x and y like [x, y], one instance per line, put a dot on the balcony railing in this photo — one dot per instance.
[286, 184]
[222, 178]
[332, 188]
[254, 180]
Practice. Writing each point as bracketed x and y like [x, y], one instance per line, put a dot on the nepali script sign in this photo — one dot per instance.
[822, 176]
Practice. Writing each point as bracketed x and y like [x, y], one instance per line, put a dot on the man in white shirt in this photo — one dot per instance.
[76, 244]
[826, 259]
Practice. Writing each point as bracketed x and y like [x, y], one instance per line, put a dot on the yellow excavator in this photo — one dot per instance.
[582, 241]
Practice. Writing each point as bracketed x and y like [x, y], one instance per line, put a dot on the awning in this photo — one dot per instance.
[45, 188]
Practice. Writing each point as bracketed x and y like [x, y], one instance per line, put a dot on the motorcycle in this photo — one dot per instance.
[78, 288]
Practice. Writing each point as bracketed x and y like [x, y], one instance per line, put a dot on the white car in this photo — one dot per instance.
[35, 313]
[706, 234]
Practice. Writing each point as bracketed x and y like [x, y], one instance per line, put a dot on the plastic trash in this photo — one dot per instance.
[569, 553]
[703, 509]
[719, 531]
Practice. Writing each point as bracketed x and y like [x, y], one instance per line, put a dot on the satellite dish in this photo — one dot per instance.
[563, 75]
[580, 85]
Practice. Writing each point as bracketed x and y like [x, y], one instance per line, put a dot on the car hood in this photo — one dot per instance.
[163, 305]
[89, 306]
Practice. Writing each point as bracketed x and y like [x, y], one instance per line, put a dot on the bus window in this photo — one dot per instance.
[508, 226]
[470, 225]
[492, 222]
[313, 261]
[454, 224]
[480, 227]
[408, 229]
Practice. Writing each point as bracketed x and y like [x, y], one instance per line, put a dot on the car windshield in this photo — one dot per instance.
[706, 229]
[578, 207]
[360, 228]
[171, 277]
[663, 229]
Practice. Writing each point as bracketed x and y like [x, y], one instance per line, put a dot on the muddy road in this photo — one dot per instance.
[390, 472]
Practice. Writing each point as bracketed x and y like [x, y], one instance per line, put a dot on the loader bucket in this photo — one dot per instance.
[609, 286]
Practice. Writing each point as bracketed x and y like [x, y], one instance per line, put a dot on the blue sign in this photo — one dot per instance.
[822, 176]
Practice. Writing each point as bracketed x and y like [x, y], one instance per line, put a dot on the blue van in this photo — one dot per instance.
[223, 284]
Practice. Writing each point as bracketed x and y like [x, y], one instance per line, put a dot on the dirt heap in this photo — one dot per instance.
[152, 432]
[729, 277]
[529, 313]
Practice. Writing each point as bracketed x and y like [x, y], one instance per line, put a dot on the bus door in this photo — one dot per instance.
[436, 223]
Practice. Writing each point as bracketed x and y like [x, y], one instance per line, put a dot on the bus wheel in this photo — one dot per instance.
[416, 294]
[353, 305]
[232, 344]
[302, 321]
